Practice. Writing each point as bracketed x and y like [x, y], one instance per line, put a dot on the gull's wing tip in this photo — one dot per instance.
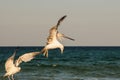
[61, 19]
[64, 16]
[73, 39]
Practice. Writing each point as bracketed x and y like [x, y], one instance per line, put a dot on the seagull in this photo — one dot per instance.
[12, 67]
[54, 37]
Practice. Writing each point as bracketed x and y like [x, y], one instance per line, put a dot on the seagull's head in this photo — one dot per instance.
[18, 69]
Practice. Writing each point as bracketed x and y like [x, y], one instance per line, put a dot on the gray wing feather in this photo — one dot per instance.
[60, 36]
[10, 62]
[26, 57]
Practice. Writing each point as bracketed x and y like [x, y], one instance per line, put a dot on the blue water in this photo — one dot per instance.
[76, 63]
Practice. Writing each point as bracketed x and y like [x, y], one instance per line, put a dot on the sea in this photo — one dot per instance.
[76, 63]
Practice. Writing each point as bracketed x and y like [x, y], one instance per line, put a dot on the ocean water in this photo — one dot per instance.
[76, 63]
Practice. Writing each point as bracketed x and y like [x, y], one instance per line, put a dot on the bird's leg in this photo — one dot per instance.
[12, 77]
[9, 77]
[47, 53]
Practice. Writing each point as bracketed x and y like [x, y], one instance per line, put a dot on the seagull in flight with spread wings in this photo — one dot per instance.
[12, 67]
[54, 37]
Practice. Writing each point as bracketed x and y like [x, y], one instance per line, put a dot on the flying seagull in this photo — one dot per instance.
[54, 37]
[12, 67]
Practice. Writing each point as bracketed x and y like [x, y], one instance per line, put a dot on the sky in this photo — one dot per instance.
[89, 22]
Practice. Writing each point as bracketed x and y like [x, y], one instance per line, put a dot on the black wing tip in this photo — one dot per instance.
[73, 39]
[64, 16]
[61, 19]
[16, 49]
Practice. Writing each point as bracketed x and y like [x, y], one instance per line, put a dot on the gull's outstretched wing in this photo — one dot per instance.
[60, 20]
[26, 57]
[53, 31]
[60, 36]
[10, 62]
[52, 35]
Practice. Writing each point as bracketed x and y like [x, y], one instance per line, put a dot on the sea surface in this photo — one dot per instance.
[76, 63]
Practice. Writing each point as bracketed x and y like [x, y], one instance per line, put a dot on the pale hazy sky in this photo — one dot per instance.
[89, 22]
